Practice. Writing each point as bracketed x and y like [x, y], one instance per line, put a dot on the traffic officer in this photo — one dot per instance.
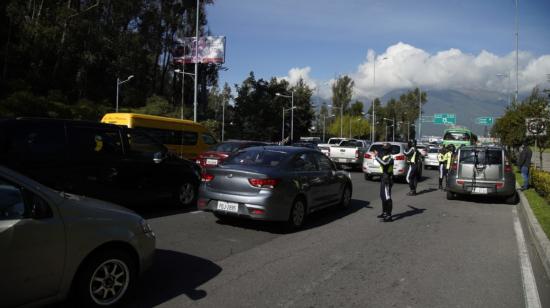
[444, 158]
[385, 159]
[413, 159]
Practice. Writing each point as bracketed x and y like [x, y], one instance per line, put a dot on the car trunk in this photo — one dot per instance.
[235, 181]
[481, 165]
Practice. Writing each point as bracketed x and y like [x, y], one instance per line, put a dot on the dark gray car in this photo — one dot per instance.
[274, 183]
[481, 170]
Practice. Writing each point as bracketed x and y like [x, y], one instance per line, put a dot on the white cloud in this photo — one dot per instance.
[405, 66]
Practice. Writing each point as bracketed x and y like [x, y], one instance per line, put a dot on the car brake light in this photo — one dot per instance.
[368, 156]
[499, 185]
[263, 183]
[206, 177]
[507, 168]
[460, 182]
[399, 157]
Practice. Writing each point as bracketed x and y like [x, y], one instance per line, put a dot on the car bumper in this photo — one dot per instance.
[482, 188]
[145, 245]
[398, 171]
[431, 163]
[266, 206]
[347, 161]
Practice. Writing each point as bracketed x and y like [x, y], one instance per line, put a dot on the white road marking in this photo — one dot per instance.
[196, 212]
[530, 291]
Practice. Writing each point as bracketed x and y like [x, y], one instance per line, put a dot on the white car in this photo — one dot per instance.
[372, 168]
[430, 161]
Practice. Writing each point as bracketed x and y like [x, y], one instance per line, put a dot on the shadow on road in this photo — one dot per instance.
[480, 199]
[413, 211]
[173, 274]
[426, 191]
[314, 220]
[161, 209]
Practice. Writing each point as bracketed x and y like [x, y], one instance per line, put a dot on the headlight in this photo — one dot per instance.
[145, 227]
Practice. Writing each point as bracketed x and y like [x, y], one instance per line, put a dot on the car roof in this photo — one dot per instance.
[52, 120]
[390, 142]
[480, 147]
[282, 148]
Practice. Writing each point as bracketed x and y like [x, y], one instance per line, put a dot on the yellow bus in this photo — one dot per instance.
[184, 138]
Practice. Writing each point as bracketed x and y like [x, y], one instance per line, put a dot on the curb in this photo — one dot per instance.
[542, 243]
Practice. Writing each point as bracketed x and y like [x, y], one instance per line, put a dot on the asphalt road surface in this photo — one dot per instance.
[437, 253]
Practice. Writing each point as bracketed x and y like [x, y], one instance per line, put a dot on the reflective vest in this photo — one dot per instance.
[441, 157]
[412, 159]
[448, 157]
[387, 169]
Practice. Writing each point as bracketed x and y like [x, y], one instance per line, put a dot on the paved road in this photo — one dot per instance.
[437, 253]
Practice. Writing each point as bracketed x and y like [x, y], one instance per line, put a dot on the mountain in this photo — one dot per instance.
[466, 104]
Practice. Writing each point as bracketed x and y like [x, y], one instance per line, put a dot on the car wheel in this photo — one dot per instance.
[186, 194]
[345, 200]
[105, 279]
[513, 199]
[297, 214]
[450, 195]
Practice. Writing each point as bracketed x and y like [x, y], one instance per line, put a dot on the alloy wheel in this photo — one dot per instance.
[109, 282]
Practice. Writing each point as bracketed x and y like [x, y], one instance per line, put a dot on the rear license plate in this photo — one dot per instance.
[228, 206]
[479, 190]
[212, 162]
[342, 160]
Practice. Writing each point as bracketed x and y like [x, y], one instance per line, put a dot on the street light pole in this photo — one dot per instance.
[517, 52]
[195, 103]
[291, 96]
[223, 120]
[183, 73]
[373, 88]
[118, 84]
[393, 128]
[419, 114]
[341, 115]
[283, 126]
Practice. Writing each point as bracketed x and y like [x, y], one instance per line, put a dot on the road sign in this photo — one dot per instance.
[535, 126]
[485, 121]
[427, 119]
[444, 118]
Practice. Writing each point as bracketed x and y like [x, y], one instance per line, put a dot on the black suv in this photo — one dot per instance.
[103, 161]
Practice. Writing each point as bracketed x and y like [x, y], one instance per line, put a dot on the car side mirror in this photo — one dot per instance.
[159, 157]
[37, 207]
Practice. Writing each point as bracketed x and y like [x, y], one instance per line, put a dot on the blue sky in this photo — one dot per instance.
[330, 38]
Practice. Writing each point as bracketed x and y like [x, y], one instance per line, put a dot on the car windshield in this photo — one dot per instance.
[351, 143]
[226, 147]
[257, 157]
[395, 149]
[481, 156]
[458, 136]
[334, 141]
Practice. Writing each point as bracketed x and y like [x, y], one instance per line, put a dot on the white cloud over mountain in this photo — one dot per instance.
[405, 66]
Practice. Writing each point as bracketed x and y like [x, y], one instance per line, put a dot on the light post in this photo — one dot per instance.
[183, 73]
[283, 126]
[341, 115]
[373, 88]
[393, 128]
[118, 83]
[195, 103]
[325, 125]
[419, 114]
[291, 96]
[517, 51]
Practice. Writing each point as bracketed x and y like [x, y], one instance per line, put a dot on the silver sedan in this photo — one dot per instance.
[274, 183]
[53, 243]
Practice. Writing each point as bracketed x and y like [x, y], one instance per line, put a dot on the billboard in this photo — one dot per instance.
[211, 49]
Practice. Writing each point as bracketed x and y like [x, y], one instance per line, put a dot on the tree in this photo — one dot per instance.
[356, 109]
[342, 91]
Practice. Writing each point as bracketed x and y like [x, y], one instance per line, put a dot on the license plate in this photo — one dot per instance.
[479, 190]
[228, 206]
[211, 161]
[342, 160]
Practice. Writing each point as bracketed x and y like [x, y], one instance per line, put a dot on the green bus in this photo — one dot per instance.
[459, 136]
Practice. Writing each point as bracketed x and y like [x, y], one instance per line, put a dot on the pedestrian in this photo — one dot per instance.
[413, 160]
[385, 159]
[524, 162]
[444, 158]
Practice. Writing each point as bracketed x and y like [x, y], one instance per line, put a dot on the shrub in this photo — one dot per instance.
[540, 180]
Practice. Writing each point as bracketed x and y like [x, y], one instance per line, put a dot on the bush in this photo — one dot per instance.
[540, 180]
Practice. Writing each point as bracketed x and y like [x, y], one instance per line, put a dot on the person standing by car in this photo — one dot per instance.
[413, 158]
[444, 158]
[385, 160]
[524, 162]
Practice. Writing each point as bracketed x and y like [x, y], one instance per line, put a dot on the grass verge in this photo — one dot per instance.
[540, 207]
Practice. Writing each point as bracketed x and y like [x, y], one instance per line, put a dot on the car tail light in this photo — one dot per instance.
[256, 211]
[202, 203]
[507, 168]
[499, 185]
[368, 156]
[460, 182]
[264, 183]
[454, 166]
[206, 177]
[400, 157]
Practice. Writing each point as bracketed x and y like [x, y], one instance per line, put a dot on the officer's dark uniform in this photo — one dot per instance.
[385, 160]
[413, 158]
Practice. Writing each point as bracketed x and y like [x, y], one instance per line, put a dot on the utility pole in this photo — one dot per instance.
[517, 52]
[195, 103]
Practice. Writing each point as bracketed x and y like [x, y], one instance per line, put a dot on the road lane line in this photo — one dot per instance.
[196, 212]
[530, 291]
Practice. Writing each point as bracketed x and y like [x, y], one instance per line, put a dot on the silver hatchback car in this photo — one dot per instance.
[483, 171]
[53, 244]
[274, 183]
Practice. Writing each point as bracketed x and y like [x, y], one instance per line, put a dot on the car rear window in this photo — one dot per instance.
[226, 147]
[351, 143]
[395, 149]
[481, 156]
[257, 157]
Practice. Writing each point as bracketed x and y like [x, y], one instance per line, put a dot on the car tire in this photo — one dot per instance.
[297, 215]
[186, 194]
[345, 200]
[450, 195]
[102, 271]
[513, 199]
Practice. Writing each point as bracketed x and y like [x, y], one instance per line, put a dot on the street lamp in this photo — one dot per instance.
[195, 103]
[325, 124]
[393, 127]
[283, 126]
[183, 73]
[118, 83]
[291, 96]
[373, 88]
[341, 108]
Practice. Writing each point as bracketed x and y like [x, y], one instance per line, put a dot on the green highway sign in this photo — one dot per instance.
[485, 120]
[427, 119]
[444, 118]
